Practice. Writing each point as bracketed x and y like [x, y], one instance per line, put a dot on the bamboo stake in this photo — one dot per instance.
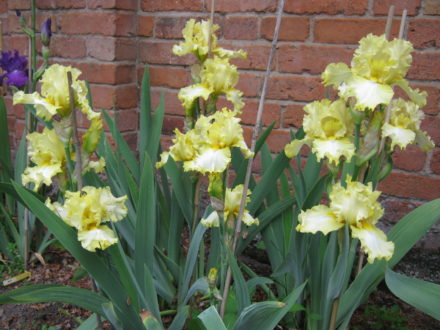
[255, 134]
[389, 22]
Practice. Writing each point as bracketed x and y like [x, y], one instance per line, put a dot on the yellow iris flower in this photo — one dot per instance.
[54, 97]
[47, 152]
[86, 210]
[329, 129]
[206, 147]
[403, 127]
[196, 35]
[357, 206]
[231, 209]
[377, 65]
[218, 77]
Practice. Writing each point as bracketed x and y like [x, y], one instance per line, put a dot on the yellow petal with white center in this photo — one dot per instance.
[318, 218]
[399, 136]
[368, 93]
[356, 203]
[40, 174]
[44, 109]
[97, 238]
[209, 160]
[213, 220]
[189, 94]
[292, 149]
[56, 208]
[335, 74]
[333, 149]
[373, 242]
[184, 147]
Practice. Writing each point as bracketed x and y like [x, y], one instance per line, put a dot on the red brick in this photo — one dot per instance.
[169, 27]
[114, 97]
[424, 33]
[19, 42]
[146, 26]
[411, 186]
[113, 4]
[435, 161]
[169, 77]
[13, 22]
[397, 209]
[105, 23]
[311, 59]
[170, 123]
[295, 88]
[291, 29]
[242, 28]
[381, 7]
[107, 73]
[293, 116]
[411, 159]
[271, 113]
[432, 126]
[433, 103]
[278, 139]
[19, 4]
[3, 7]
[173, 106]
[349, 30]
[425, 66]
[157, 52]
[111, 49]
[431, 7]
[68, 46]
[249, 84]
[257, 56]
[172, 5]
[332, 7]
[127, 120]
[229, 6]
[60, 4]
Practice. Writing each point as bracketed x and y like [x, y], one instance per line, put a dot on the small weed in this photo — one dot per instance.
[380, 318]
[14, 265]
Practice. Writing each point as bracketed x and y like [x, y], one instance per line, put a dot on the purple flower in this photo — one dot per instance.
[46, 32]
[14, 69]
[17, 12]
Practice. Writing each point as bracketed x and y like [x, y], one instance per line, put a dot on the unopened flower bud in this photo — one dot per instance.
[46, 32]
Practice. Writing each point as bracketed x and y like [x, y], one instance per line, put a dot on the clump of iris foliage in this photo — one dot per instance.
[156, 254]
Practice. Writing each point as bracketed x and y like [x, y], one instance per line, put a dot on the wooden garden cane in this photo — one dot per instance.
[255, 134]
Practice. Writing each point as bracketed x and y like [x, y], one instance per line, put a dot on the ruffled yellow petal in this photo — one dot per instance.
[163, 159]
[39, 175]
[333, 149]
[97, 238]
[235, 97]
[424, 141]
[292, 149]
[415, 95]
[209, 160]
[399, 136]
[44, 109]
[114, 207]
[92, 136]
[368, 93]
[187, 95]
[318, 218]
[226, 53]
[233, 200]
[336, 74]
[373, 242]
[249, 220]
[219, 74]
[355, 204]
[96, 165]
[212, 220]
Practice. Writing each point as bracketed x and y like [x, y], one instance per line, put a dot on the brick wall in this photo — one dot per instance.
[111, 40]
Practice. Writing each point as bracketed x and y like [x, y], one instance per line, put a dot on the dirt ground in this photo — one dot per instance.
[382, 311]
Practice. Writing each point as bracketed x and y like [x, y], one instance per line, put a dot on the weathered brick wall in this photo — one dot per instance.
[112, 40]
